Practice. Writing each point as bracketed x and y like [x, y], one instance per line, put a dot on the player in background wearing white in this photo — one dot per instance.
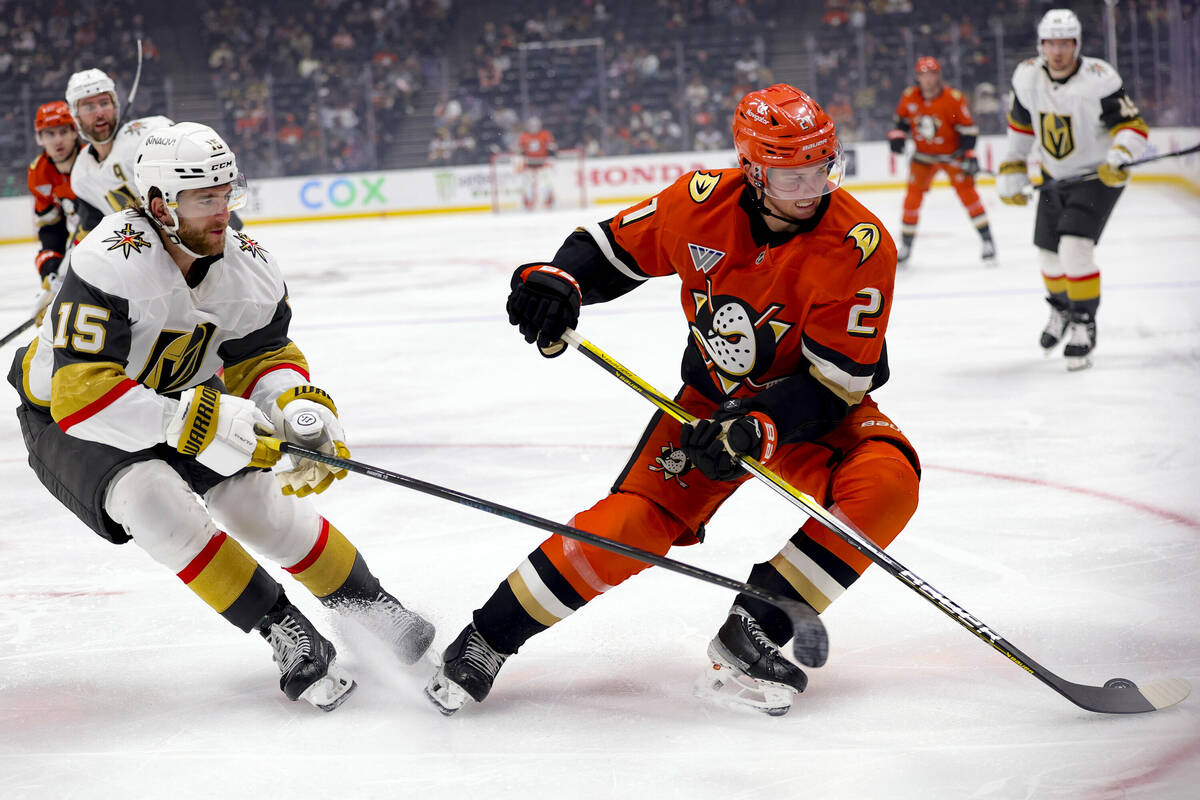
[126, 420]
[537, 148]
[1075, 109]
[103, 173]
[49, 181]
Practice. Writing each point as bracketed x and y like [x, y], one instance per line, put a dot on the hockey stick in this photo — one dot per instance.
[15, 332]
[1117, 696]
[137, 78]
[1051, 183]
[810, 643]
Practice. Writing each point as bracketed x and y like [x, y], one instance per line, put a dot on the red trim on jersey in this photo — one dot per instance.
[197, 564]
[1026, 131]
[96, 406]
[315, 553]
[250, 389]
[1076, 279]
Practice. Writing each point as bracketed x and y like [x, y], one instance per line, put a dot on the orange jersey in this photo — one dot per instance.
[49, 188]
[536, 147]
[761, 308]
[936, 125]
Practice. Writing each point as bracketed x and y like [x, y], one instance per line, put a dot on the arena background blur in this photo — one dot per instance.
[302, 87]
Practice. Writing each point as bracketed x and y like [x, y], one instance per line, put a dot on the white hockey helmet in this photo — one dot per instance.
[186, 155]
[87, 83]
[1060, 23]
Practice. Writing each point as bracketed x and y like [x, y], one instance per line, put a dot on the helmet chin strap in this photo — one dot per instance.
[171, 232]
[760, 205]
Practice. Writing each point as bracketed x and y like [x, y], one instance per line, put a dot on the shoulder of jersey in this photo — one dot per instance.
[956, 94]
[38, 161]
[1099, 71]
[143, 125]
[856, 225]
[116, 249]
[910, 92]
[704, 186]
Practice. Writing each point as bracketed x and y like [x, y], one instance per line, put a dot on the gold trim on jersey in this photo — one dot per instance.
[26, 365]
[1136, 124]
[848, 397]
[1020, 126]
[76, 386]
[241, 376]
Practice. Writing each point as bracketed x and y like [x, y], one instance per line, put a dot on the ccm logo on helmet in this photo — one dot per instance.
[222, 165]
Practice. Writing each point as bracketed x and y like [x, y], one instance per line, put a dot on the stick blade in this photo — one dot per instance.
[810, 640]
[1164, 693]
[1123, 696]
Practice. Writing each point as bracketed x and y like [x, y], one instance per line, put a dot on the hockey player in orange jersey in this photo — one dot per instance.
[943, 133]
[538, 148]
[786, 287]
[49, 182]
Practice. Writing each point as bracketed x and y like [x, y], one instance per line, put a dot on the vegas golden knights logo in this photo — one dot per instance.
[1058, 137]
[176, 357]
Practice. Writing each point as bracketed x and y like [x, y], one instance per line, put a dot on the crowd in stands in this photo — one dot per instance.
[310, 86]
[42, 42]
[321, 85]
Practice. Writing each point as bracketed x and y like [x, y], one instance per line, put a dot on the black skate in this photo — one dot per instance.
[468, 670]
[406, 632]
[306, 659]
[1055, 326]
[1081, 341]
[903, 253]
[748, 669]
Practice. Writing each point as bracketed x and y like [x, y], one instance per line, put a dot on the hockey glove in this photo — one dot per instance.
[50, 285]
[1012, 183]
[306, 415]
[544, 302]
[220, 430]
[715, 445]
[1115, 170]
[968, 163]
[896, 141]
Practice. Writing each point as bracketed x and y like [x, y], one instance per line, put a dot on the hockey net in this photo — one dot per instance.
[558, 183]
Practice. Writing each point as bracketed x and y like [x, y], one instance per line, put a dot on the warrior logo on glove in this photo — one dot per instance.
[738, 342]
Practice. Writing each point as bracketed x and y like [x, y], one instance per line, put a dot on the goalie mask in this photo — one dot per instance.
[786, 144]
[193, 170]
[1060, 23]
[86, 84]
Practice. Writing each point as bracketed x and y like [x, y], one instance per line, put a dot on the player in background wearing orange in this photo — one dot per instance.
[537, 148]
[786, 290]
[53, 201]
[944, 134]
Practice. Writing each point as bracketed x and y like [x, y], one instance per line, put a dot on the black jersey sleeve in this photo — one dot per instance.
[581, 256]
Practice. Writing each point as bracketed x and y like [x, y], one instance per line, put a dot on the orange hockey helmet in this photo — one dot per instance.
[784, 140]
[51, 115]
[928, 64]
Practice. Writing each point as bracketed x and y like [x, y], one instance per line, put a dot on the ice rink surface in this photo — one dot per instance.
[1062, 509]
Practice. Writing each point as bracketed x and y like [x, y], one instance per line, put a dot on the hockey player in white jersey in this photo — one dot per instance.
[126, 420]
[103, 173]
[1077, 112]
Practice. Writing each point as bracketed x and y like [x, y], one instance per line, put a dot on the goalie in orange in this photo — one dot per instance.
[787, 290]
[537, 148]
[943, 133]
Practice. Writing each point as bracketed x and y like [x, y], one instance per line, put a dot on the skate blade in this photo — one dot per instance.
[331, 690]
[728, 687]
[1076, 363]
[446, 695]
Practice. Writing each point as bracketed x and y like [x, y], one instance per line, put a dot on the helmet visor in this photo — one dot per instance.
[806, 182]
[211, 200]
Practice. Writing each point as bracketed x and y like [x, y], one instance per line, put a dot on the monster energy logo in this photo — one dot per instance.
[444, 185]
[1058, 138]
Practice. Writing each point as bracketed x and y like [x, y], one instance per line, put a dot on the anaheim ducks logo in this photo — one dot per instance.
[737, 341]
[701, 185]
[866, 239]
[176, 358]
[672, 463]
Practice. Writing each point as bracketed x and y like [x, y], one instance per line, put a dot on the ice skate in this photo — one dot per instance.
[406, 632]
[988, 254]
[468, 670]
[1055, 326]
[307, 660]
[1081, 341]
[903, 254]
[748, 669]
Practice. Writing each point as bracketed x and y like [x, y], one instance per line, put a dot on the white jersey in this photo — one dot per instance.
[126, 329]
[108, 185]
[1074, 120]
